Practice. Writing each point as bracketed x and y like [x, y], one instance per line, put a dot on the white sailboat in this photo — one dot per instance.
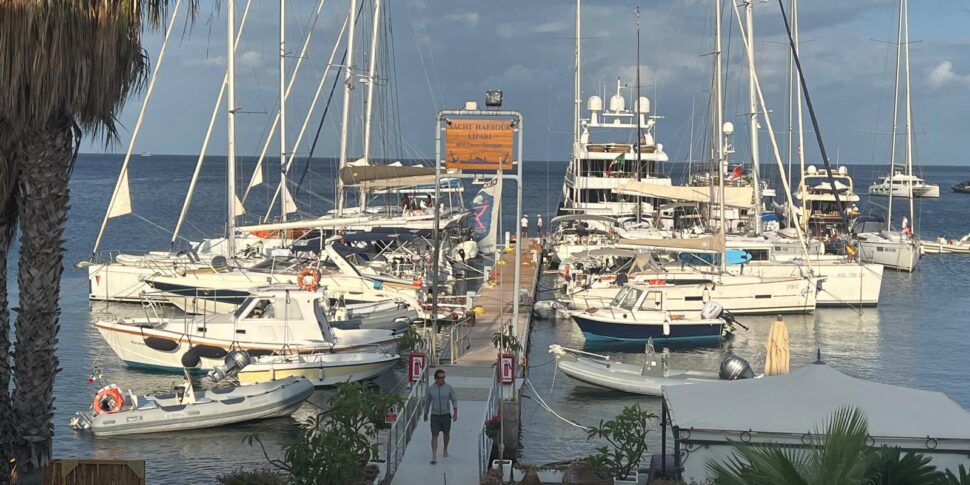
[898, 250]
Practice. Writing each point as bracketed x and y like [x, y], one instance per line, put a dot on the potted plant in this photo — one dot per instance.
[627, 435]
[506, 341]
[493, 426]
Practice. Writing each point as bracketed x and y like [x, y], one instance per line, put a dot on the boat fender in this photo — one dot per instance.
[108, 400]
[735, 368]
[210, 352]
[161, 344]
[191, 358]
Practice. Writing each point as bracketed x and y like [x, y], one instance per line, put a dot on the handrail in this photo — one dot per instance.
[484, 440]
[399, 435]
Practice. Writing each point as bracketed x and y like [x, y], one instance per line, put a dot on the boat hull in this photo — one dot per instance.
[317, 370]
[899, 255]
[603, 329]
[625, 377]
[212, 409]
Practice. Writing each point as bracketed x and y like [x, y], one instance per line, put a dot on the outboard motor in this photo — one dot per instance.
[734, 368]
[234, 362]
[712, 310]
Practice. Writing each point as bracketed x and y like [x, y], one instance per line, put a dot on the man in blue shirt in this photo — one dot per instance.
[438, 397]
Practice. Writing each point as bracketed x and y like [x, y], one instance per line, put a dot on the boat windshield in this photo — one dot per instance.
[629, 300]
[618, 299]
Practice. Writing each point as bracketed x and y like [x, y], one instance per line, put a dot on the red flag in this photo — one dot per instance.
[736, 173]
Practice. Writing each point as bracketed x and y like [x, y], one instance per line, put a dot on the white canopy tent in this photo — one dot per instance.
[709, 418]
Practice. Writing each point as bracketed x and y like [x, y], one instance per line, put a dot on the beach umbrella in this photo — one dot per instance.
[776, 359]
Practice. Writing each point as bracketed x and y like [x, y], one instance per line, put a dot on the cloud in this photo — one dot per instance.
[465, 19]
[943, 75]
[248, 58]
[252, 58]
[215, 61]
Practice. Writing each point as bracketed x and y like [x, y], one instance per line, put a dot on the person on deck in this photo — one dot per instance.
[438, 397]
[538, 225]
[525, 225]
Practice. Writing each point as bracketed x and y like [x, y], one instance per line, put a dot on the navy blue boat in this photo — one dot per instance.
[612, 325]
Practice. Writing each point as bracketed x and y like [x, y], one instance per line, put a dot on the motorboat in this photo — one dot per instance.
[646, 379]
[199, 292]
[902, 184]
[322, 369]
[115, 412]
[273, 320]
[962, 187]
[630, 318]
[942, 245]
[825, 198]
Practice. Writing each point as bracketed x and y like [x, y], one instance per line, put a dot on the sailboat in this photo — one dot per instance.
[876, 240]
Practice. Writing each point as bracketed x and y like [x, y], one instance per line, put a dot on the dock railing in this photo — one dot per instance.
[399, 435]
[484, 440]
[458, 340]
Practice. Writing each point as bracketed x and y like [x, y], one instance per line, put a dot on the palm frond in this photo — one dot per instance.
[839, 456]
[885, 466]
[79, 59]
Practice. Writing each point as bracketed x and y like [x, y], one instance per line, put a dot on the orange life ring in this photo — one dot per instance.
[310, 284]
[108, 400]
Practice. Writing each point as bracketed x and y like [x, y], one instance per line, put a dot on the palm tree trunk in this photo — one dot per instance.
[46, 157]
[8, 219]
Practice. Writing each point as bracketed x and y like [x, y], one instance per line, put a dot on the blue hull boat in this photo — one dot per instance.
[596, 328]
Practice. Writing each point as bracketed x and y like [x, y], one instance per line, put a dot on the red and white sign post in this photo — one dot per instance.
[417, 361]
[506, 365]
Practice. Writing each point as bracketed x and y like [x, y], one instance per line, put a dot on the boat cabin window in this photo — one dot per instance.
[292, 310]
[263, 309]
[620, 296]
[653, 301]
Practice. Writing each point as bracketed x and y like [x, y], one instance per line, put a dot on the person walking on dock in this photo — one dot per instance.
[525, 225]
[438, 397]
[538, 225]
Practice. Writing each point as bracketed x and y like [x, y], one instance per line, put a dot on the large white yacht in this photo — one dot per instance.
[901, 184]
[820, 214]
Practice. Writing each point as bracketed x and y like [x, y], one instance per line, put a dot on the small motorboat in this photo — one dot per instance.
[321, 369]
[942, 245]
[633, 323]
[647, 379]
[962, 187]
[115, 412]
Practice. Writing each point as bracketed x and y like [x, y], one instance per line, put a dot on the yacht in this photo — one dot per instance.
[273, 321]
[820, 214]
[901, 184]
[877, 243]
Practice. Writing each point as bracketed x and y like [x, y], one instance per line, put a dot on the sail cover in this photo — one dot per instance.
[121, 204]
[734, 196]
[386, 176]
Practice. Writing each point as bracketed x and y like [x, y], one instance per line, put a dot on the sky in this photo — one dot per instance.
[437, 54]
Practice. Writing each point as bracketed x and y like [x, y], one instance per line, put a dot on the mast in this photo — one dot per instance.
[892, 144]
[345, 117]
[719, 125]
[577, 103]
[231, 131]
[909, 117]
[753, 116]
[639, 164]
[371, 81]
[283, 192]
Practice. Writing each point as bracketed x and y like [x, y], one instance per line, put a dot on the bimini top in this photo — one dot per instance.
[805, 399]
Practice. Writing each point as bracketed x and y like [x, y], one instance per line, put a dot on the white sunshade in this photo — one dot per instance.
[804, 400]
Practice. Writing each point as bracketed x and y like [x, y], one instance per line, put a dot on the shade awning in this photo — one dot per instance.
[798, 402]
[734, 196]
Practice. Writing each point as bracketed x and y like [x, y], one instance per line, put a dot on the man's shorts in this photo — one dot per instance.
[440, 423]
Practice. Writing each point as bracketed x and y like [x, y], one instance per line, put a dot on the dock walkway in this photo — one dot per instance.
[473, 377]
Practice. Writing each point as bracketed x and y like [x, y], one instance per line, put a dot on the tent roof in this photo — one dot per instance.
[803, 400]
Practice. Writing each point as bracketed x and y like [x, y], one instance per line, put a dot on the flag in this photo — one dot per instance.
[615, 163]
[736, 173]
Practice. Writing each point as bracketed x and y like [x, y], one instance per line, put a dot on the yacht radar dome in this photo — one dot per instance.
[642, 105]
[812, 170]
[728, 128]
[595, 104]
[843, 170]
[617, 103]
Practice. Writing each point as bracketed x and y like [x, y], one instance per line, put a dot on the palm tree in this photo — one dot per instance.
[839, 455]
[66, 69]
